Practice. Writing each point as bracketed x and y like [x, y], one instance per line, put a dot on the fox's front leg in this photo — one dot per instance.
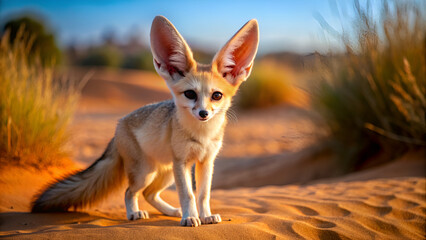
[182, 172]
[203, 175]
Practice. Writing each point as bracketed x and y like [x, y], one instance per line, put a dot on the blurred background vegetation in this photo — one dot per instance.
[372, 97]
[41, 43]
[268, 85]
[36, 103]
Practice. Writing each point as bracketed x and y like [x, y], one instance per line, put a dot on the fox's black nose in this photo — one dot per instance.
[203, 113]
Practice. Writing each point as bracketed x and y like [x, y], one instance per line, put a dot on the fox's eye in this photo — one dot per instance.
[190, 94]
[217, 96]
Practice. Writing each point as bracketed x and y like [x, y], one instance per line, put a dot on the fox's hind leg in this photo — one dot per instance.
[140, 176]
[152, 193]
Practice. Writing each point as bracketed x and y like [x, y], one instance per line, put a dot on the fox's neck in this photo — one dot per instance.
[199, 129]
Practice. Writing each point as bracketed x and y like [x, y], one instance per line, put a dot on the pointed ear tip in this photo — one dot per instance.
[157, 18]
[160, 19]
[254, 22]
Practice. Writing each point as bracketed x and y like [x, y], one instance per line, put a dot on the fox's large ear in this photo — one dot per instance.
[172, 55]
[235, 60]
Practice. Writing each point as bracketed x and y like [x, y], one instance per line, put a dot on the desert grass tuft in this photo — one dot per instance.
[373, 96]
[36, 106]
[268, 85]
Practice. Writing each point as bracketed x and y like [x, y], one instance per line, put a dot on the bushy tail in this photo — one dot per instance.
[84, 188]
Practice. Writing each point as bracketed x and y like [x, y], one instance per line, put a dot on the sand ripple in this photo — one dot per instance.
[374, 209]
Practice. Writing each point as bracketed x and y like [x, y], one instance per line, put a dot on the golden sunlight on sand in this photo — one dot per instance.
[393, 208]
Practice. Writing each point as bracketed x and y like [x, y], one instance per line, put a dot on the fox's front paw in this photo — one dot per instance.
[137, 215]
[190, 222]
[215, 218]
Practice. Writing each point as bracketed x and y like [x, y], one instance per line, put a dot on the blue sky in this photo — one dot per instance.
[286, 25]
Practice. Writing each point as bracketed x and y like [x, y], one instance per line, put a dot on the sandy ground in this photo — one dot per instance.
[386, 202]
[386, 208]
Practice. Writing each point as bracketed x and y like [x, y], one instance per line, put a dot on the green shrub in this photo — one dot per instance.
[267, 85]
[106, 56]
[142, 61]
[373, 96]
[35, 107]
[43, 47]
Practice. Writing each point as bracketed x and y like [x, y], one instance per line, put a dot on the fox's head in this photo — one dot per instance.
[202, 90]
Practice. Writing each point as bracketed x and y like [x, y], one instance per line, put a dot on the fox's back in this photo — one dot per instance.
[152, 114]
[147, 131]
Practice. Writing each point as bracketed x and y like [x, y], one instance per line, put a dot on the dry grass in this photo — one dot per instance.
[373, 97]
[268, 85]
[35, 106]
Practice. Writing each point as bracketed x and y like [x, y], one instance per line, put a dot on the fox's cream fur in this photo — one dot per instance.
[159, 143]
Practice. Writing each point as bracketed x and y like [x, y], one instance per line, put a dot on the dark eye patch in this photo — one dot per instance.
[190, 94]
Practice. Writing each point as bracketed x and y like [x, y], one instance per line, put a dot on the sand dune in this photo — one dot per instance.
[392, 208]
[312, 164]
[120, 91]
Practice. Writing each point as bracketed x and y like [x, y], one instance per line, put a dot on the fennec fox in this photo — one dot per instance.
[159, 143]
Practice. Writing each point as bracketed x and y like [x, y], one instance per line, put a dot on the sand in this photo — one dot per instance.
[387, 208]
[269, 181]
